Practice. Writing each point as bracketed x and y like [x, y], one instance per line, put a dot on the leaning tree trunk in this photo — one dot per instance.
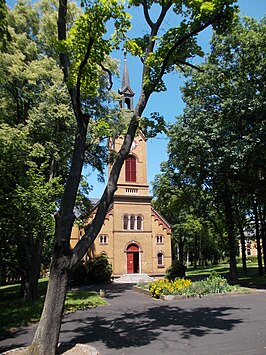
[47, 334]
[46, 337]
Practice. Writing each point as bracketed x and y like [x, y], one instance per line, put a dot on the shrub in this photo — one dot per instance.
[98, 269]
[176, 270]
[252, 259]
[78, 275]
[213, 284]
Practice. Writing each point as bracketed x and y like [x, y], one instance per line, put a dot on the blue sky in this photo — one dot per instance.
[169, 104]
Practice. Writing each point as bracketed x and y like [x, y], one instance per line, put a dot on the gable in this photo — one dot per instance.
[161, 220]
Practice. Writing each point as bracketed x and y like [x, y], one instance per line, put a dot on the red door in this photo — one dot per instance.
[130, 263]
[132, 259]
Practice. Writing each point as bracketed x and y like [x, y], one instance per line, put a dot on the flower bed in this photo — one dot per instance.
[184, 287]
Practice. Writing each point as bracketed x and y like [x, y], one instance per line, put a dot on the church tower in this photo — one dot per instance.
[133, 177]
[135, 237]
[126, 92]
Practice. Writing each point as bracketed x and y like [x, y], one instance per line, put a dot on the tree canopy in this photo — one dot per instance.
[83, 45]
[219, 141]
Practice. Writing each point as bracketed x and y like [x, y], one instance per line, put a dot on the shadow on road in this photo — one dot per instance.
[141, 328]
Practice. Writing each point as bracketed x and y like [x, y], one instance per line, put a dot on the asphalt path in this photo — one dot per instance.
[134, 323]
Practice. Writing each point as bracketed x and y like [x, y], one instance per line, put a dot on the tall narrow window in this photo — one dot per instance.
[125, 222]
[103, 239]
[132, 222]
[160, 259]
[139, 222]
[131, 171]
[159, 239]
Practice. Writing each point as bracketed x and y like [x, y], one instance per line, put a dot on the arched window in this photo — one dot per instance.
[159, 239]
[132, 222]
[139, 222]
[160, 261]
[125, 221]
[103, 239]
[130, 168]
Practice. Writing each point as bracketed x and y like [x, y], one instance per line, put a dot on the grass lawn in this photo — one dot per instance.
[250, 278]
[205, 282]
[15, 313]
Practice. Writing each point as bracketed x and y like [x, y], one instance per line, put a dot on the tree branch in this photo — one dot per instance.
[146, 14]
[63, 56]
[150, 47]
[81, 67]
[109, 74]
[189, 65]
[155, 27]
[93, 229]
[185, 38]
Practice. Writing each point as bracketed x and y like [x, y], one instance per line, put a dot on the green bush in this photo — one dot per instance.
[78, 275]
[176, 270]
[213, 284]
[98, 269]
[252, 259]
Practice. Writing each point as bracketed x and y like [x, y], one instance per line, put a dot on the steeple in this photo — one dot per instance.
[126, 92]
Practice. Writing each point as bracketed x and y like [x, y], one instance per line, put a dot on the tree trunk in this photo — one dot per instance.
[30, 273]
[255, 208]
[47, 334]
[243, 247]
[2, 274]
[231, 235]
[263, 232]
[181, 249]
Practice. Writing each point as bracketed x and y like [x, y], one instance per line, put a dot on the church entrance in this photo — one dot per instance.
[133, 259]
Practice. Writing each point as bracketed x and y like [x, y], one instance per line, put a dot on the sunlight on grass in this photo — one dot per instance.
[82, 300]
[206, 270]
[14, 312]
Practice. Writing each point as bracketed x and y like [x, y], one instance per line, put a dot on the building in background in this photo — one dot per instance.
[135, 237]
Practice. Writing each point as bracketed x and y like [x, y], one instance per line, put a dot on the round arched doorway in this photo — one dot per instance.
[133, 258]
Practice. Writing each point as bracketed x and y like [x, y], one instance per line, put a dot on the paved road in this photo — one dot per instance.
[134, 324]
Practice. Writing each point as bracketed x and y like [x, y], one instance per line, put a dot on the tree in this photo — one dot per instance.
[82, 54]
[218, 142]
[4, 33]
[196, 226]
[36, 134]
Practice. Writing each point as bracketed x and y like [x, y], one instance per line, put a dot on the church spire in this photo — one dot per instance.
[126, 92]
[125, 79]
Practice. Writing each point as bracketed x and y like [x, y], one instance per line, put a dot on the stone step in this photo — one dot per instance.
[134, 278]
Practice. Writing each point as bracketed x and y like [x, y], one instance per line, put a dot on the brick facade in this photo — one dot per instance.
[135, 237]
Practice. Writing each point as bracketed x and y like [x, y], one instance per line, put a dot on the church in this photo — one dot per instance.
[135, 238]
